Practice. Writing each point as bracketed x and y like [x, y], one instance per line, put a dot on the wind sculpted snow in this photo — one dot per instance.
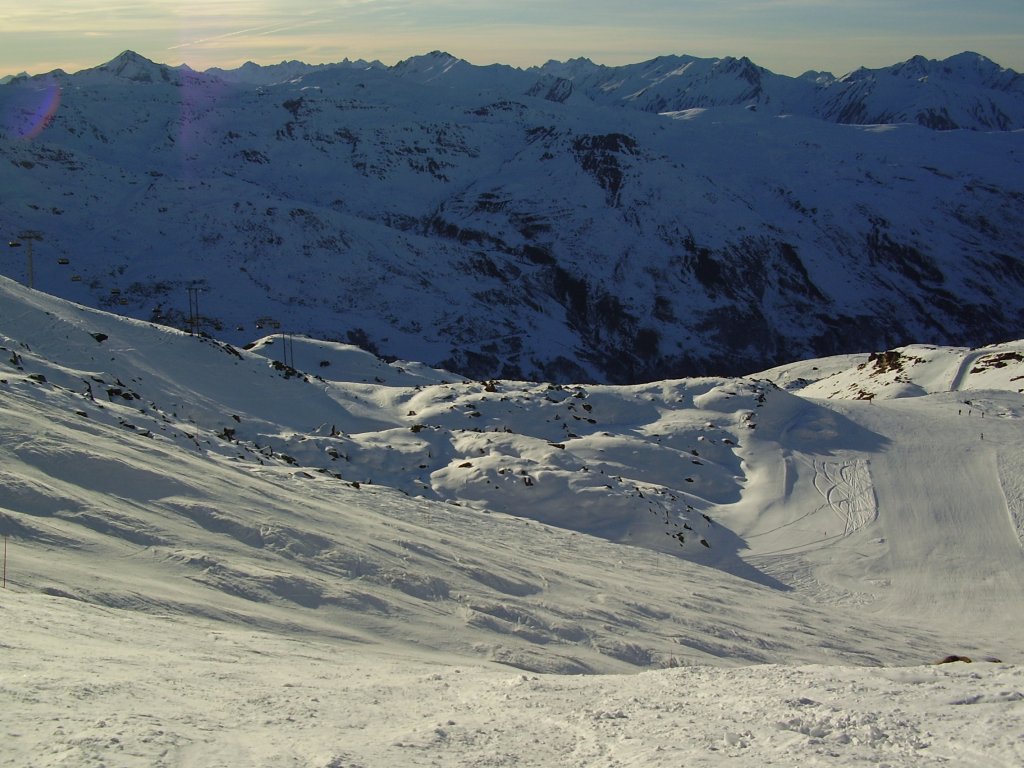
[223, 557]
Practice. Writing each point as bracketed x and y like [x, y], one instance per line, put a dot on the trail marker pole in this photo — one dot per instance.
[5, 561]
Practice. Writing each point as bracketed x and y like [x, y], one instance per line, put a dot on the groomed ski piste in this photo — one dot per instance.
[299, 554]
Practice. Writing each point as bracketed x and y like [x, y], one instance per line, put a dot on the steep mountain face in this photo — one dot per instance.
[540, 224]
[964, 91]
[673, 83]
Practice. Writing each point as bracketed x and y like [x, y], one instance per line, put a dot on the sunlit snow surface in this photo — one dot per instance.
[214, 558]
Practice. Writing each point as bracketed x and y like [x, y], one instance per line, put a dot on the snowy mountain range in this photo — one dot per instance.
[298, 553]
[570, 222]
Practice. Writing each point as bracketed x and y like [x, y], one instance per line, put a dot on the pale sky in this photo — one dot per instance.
[786, 36]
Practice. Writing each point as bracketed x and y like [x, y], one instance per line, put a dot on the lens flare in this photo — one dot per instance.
[28, 108]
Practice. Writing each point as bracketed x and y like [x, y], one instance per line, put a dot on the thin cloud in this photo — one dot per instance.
[290, 27]
[214, 38]
[787, 36]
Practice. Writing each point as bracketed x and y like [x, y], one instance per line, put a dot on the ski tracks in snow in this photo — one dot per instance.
[846, 489]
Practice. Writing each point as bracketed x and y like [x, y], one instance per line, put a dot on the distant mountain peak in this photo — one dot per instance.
[128, 55]
[429, 59]
[971, 58]
[126, 60]
[129, 65]
[820, 78]
[571, 69]
[964, 64]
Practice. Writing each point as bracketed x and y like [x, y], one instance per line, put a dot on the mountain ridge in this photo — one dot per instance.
[646, 85]
[500, 222]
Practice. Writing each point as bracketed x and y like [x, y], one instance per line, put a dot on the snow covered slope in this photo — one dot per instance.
[186, 520]
[963, 91]
[186, 692]
[528, 224]
[736, 474]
